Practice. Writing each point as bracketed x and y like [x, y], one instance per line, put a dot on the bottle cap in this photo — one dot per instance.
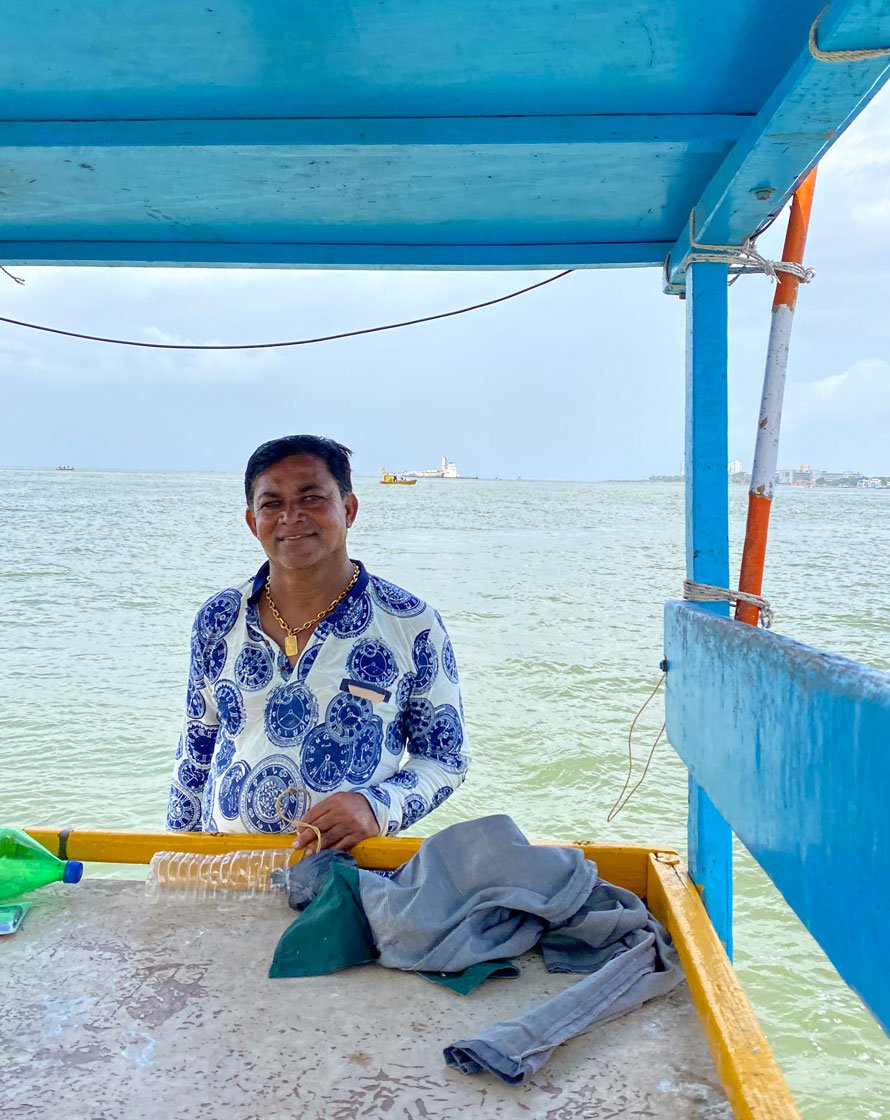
[73, 871]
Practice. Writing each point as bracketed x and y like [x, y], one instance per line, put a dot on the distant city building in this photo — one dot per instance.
[801, 475]
[735, 467]
[806, 475]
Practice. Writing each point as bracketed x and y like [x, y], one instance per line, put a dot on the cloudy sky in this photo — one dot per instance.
[582, 380]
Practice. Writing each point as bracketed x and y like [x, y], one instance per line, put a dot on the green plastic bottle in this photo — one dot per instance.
[26, 865]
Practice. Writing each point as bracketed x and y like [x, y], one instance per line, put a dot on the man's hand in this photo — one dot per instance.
[343, 820]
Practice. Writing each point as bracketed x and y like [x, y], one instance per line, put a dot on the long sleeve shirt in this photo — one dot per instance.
[373, 706]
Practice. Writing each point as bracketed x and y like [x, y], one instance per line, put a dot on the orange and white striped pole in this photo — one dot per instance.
[766, 451]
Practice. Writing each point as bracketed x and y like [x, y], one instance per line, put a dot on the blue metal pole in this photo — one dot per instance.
[707, 545]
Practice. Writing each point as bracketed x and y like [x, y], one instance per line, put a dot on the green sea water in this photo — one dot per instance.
[552, 593]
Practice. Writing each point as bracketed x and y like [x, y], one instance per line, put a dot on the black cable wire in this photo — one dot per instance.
[15, 279]
[298, 342]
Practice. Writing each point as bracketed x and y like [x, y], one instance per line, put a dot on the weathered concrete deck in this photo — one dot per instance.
[117, 1008]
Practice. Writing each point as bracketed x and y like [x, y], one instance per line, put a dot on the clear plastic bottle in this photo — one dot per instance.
[193, 876]
[26, 865]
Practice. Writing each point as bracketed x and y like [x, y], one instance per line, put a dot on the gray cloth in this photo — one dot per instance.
[478, 891]
[517, 1048]
[597, 932]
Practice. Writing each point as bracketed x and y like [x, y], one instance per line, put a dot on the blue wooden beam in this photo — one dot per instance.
[793, 746]
[160, 254]
[707, 546]
[806, 113]
[700, 132]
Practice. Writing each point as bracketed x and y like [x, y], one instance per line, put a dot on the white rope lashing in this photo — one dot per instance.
[745, 257]
[706, 593]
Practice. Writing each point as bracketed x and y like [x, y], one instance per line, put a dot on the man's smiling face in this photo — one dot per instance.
[299, 515]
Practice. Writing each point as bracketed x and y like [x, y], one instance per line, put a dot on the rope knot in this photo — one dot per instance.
[744, 258]
[707, 593]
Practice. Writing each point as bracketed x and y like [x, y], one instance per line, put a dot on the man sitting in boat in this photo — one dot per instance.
[317, 691]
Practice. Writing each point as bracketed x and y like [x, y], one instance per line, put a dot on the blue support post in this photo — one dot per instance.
[707, 545]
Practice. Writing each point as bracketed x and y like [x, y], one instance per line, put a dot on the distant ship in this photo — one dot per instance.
[64, 468]
[448, 469]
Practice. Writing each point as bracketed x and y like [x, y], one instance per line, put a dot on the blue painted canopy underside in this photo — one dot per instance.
[477, 133]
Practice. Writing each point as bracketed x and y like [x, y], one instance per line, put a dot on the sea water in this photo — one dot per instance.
[552, 593]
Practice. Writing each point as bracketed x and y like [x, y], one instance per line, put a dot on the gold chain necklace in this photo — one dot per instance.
[290, 642]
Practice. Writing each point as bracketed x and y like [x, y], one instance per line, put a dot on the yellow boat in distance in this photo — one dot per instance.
[390, 479]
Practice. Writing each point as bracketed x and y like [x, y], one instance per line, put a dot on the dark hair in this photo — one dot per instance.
[334, 455]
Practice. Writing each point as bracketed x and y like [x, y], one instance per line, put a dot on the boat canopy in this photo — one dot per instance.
[407, 134]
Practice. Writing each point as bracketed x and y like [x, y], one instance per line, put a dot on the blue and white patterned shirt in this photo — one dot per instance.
[377, 678]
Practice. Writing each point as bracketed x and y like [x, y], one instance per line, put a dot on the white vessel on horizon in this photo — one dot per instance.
[448, 469]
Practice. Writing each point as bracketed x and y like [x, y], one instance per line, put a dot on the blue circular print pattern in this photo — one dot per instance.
[403, 691]
[419, 716]
[426, 662]
[253, 668]
[371, 661]
[183, 810]
[394, 740]
[195, 705]
[230, 789]
[324, 763]
[441, 794]
[380, 795]
[367, 749]
[199, 743]
[446, 734]
[261, 791]
[395, 600]
[414, 808]
[230, 706]
[291, 710]
[346, 717]
[215, 659]
[189, 775]
[196, 659]
[449, 661]
[224, 755]
[308, 659]
[217, 617]
[405, 778]
[353, 617]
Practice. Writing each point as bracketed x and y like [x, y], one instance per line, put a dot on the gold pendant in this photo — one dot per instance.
[290, 645]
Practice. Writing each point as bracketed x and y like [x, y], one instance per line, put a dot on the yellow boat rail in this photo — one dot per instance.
[748, 1071]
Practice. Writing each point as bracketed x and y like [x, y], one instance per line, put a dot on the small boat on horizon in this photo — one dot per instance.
[390, 479]
[64, 468]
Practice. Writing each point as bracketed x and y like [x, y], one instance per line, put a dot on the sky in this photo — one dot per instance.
[583, 379]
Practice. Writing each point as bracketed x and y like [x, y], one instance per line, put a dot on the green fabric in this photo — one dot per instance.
[469, 980]
[331, 933]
